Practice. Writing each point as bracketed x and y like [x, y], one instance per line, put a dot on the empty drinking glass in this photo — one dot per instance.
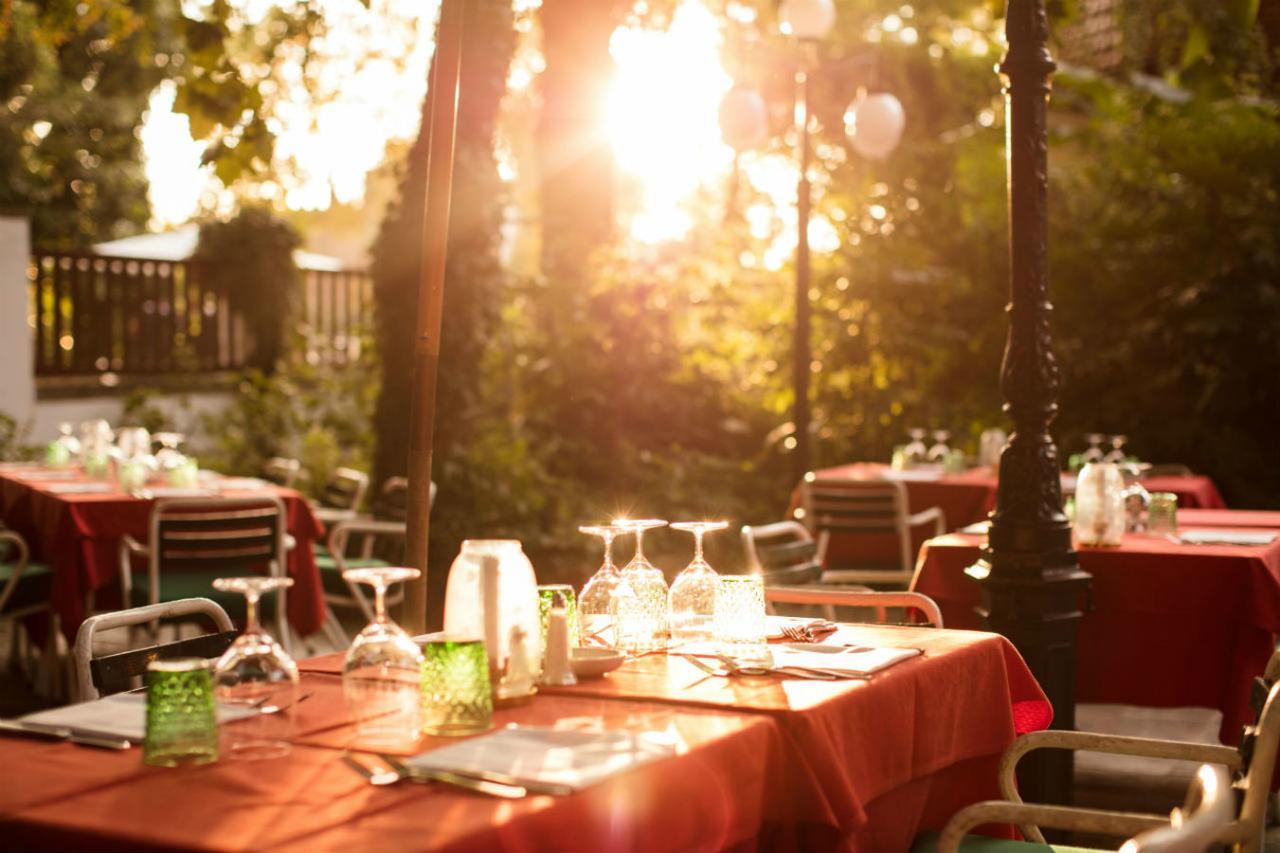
[1116, 453]
[1162, 515]
[597, 604]
[1095, 452]
[64, 449]
[644, 627]
[915, 453]
[693, 593]
[740, 627]
[382, 673]
[939, 453]
[255, 672]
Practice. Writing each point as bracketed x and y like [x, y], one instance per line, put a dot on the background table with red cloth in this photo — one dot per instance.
[1171, 625]
[79, 536]
[969, 496]
[762, 763]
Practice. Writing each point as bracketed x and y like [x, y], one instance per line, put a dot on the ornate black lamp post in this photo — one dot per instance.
[1032, 586]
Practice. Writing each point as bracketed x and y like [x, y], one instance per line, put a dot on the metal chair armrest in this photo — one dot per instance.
[1028, 817]
[1114, 744]
[934, 514]
[129, 548]
[368, 527]
[24, 555]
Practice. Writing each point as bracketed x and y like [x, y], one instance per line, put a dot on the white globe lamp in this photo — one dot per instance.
[874, 124]
[807, 19]
[744, 118]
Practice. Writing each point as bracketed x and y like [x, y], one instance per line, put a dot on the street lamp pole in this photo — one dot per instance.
[1031, 582]
[800, 346]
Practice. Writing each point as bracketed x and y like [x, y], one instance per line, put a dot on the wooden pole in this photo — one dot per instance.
[426, 358]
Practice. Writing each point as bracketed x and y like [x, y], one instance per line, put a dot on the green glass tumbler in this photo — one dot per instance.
[546, 596]
[456, 696]
[1162, 514]
[182, 722]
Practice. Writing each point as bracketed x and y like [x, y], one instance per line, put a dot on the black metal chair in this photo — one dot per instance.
[115, 673]
[194, 540]
[783, 553]
[341, 496]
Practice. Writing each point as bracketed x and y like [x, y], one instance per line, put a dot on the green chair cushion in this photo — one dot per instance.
[928, 843]
[34, 586]
[331, 577]
[199, 584]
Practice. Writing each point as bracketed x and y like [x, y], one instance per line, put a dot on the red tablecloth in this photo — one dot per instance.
[765, 764]
[1172, 625]
[79, 536]
[968, 497]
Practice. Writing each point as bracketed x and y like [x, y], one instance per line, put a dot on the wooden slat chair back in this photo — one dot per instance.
[880, 602]
[783, 553]
[220, 536]
[344, 489]
[873, 509]
[115, 673]
[282, 471]
[392, 503]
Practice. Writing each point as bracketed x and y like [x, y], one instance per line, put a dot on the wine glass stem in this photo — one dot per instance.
[251, 611]
[697, 544]
[639, 558]
[608, 552]
[380, 601]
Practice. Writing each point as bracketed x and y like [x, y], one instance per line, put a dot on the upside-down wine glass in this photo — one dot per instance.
[256, 673]
[1095, 452]
[645, 628]
[382, 673]
[1116, 454]
[915, 453]
[598, 602]
[693, 592]
[939, 452]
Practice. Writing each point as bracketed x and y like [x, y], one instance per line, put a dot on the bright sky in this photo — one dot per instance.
[662, 122]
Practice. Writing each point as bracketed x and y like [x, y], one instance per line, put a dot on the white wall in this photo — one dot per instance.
[185, 409]
[17, 368]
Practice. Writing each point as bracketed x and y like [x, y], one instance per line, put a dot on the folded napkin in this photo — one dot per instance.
[577, 759]
[178, 492]
[978, 527]
[37, 474]
[123, 715]
[1227, 537]
[80, 488]
[243, 484]
[918, 474]
[847, 660]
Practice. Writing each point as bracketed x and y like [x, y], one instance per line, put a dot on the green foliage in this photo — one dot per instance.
[250, 259]
[466, 408]
[141, 409]
[13, 441]
[319, 415]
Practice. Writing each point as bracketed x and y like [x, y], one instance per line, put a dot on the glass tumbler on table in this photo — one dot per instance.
[382, 673]
[1162, 515]
[642, 621]
[456, 695]
[256, 673]
[181, 720]
[693, 593]
[740, 627]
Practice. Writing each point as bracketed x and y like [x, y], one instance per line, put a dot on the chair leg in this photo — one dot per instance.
[333, 631]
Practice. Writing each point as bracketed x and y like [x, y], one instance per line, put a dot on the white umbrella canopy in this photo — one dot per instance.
[180, 244]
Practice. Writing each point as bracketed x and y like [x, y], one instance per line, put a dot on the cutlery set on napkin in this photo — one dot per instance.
[114, 722]
[521, 760]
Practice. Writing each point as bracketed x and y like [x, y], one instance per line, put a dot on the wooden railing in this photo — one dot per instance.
[96, 315]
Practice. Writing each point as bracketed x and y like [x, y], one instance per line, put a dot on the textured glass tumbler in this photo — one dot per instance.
[1162, 514]
[546, 595]
[182, 723]
[739, 622]
[456, 697]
